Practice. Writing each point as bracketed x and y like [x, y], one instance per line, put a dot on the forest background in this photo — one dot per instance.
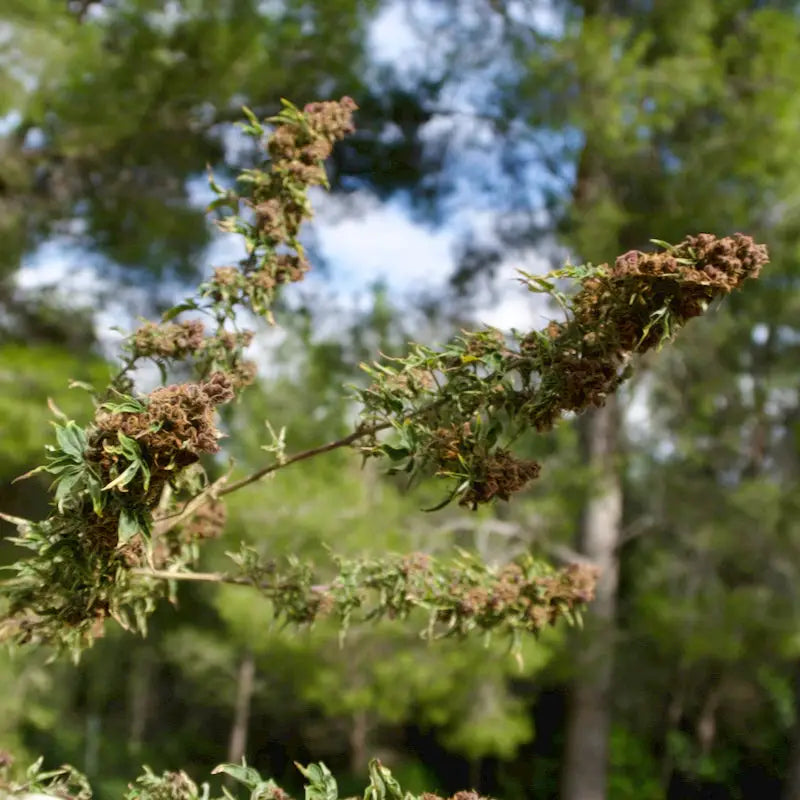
[491, 136]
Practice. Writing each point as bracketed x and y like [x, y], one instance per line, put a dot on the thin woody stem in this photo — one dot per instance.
[208, 577]
[323, 448]
[170, 520]
[303, 455]
[126, 367]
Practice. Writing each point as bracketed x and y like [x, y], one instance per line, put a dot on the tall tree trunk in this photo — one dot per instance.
[585, 765]
[140, 687]
[91, 749]
[241, 717]
[359, 734]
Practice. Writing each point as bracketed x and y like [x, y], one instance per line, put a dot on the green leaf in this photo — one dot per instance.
[96, 493]
[20, 522]
[162, 371]
[662, 243]
[259, 787]
[494, 431]
[128, 525]
[128, 405]
[124, 478]
[59, 465]
[65, 487]
[33, 769]
[71, 439]
[449, 499]
[30, 473]
[239, 772]
[536, 283]
[145, 475]
[321, 784]
[382, 784]
[395, 453]
[253, 119]
[81, 385]
[220, 202]
[171, 313]
[56, 410]
[130, 447]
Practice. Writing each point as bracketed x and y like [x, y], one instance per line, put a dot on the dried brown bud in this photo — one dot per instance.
[243, 373]
[502, 474]
[168, 340]
[227, 276]
[176, 427]
[331, 119]
[271, 219]
[290, 267]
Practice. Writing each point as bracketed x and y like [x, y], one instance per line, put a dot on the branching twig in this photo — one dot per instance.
[303, 455]
[202, 577]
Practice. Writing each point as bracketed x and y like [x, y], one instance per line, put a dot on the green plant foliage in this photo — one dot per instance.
[632, 769]
[119, 481]
[38, 372]
[458, 410]
[320, 785]
[132, 501]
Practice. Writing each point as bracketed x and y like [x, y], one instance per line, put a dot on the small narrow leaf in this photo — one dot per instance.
[662, 243]
[29, 474]
[321, 784]
[171, 313]
[124, 478]
[128, 526]
[56, 410]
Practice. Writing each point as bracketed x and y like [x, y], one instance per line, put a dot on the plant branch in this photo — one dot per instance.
[211, 577]
[168, 521]
[303, 455]
[458, 597]
[345, 441]
[204, 577]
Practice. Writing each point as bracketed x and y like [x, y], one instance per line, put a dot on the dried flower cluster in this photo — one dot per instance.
[114, 472]
[275, 204]
[634, 306]
[277, 199]
[175, 427]
[494, 474]
[168, 340]
[455, 411]
[458, 597]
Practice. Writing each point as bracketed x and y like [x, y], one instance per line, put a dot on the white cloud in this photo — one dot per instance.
[382, 244]
[513, 306]
[390, 39]
[55, 265]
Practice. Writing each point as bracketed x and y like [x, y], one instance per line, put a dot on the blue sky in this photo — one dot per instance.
[380, 243]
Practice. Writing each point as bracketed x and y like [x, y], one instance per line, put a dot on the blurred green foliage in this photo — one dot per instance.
[29, 376]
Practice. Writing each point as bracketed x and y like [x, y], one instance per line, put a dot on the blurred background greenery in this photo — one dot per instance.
[525, 129]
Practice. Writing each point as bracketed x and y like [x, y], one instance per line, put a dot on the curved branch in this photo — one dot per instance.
[303, 455]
